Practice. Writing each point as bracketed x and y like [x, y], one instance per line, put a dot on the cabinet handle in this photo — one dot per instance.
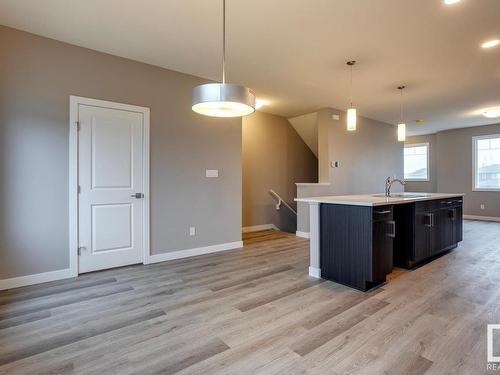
[429, 224]
[392, 233]
[383, 212]
[431, 220]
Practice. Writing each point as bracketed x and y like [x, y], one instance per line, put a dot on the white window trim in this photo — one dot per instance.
[474, 161]
[426, 144]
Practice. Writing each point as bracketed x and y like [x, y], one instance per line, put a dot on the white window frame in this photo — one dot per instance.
[428, 178]
[474, 162]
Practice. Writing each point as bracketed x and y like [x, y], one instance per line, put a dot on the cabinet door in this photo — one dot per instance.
[383, 235]
[442, 230]
[446, 228]
[451, 227]
[458, 223]
[404, 242]
[423, 231]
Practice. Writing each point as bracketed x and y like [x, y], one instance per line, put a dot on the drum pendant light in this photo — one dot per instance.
[401, 125]
[351, 112]
[223, 99]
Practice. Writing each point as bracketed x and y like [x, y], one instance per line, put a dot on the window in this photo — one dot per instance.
[486, 158]
[416, 162]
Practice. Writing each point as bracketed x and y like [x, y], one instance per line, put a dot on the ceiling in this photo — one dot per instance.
[293, 52]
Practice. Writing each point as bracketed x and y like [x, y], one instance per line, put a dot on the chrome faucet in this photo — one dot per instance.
[388, 184]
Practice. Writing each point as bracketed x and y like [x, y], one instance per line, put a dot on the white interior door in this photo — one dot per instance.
[110, 178]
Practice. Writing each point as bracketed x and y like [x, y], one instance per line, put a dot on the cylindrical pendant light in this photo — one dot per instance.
[401, 125]
[351, 112]
[351, 119]
[223, 99]
[401, 132]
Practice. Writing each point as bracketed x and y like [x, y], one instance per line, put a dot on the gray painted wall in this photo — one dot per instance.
[367, 157]
[454, 168]
[431, 185]
[323, 146]
[274, 157]
[452, 164]
[37, 76]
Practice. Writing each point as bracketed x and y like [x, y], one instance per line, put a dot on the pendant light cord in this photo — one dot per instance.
[401, 105]
[351, 64]
[351, 87]
[223, 41]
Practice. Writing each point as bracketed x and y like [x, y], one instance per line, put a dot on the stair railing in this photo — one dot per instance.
[281, 201]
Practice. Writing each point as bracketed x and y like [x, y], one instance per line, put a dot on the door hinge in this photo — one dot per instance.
[79, 189]
[77, 125]
[80, 250]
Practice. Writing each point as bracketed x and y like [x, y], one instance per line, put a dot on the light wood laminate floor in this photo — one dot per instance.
[255, 311]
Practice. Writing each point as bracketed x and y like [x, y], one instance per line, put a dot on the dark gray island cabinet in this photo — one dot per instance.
[359, 242]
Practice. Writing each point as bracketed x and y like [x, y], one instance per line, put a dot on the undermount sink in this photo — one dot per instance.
[404, 195]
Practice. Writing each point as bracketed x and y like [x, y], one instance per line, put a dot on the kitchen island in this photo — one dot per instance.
[356, 240]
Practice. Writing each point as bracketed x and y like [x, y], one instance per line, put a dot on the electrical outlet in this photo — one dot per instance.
[192, 231]
[335, 164]
[482, 207]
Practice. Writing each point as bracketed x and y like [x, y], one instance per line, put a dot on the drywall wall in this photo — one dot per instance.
[454, 169]
[451, 168]
[323, 146]
[306, 127]
[274, 157]
[366, 158]
[37, 76]
[431, 185]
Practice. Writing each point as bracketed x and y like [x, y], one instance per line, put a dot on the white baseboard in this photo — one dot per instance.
[256, 228]
[16, 282]
[155, 258]
[302, 234]
[483, 218]
[315, 272]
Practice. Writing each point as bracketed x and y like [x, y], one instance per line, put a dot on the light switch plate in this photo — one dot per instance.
[192, 231]
[212, 173]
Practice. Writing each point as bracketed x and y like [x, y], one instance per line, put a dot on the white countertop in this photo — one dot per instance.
[377, 199]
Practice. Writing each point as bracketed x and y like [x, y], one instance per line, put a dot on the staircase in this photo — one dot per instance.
[288, 215]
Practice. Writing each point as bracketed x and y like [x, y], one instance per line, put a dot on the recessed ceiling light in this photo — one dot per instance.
[449, 2]
[491, 112]
[490, 43]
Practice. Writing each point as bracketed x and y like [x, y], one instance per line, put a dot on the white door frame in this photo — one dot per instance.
[74, 102]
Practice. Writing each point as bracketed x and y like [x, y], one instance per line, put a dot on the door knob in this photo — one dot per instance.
[137, 195]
